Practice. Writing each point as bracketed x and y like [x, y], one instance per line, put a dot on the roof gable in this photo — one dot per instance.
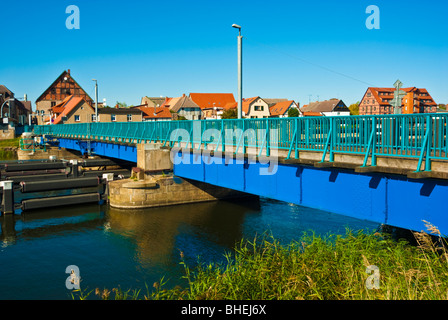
[326, 106]
[183, 102]
[64, 81]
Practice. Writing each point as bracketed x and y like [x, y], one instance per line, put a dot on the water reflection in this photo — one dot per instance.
[158, 232]
[50, 222]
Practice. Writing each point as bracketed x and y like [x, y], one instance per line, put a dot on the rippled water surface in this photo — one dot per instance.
[131, 248]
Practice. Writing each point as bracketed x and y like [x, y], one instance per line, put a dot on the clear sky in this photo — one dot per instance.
[291, 49]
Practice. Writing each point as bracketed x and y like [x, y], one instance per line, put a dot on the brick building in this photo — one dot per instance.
[378, 101]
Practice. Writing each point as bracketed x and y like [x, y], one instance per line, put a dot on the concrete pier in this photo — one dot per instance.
[153, 184]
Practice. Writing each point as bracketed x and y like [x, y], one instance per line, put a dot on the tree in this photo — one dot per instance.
[122, 104]
[229, 114]
[293, 112]
[354, 109]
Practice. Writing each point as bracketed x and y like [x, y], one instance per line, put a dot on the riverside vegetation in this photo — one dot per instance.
[314, 267]
[8, 149]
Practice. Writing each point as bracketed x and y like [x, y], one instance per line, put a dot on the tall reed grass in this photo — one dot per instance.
[323, 268]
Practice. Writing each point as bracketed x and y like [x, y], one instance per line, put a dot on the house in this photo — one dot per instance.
[255, 107]
[153, 101]
[64, 86]
[280, 109]
[378, 101]
[311, 114]
[183, 107]
[70, 110]
[132, 114]
[212, 104]
[332, 107]
[76, 110]
[17, 111]
[156, 113]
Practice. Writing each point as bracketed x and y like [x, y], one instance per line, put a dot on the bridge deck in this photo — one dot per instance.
[420, 137]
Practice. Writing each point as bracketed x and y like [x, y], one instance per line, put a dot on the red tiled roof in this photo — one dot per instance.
[210, 100]
[246, 104]
[71, 103]
[312, 114]
[280, 108]
[230, 105]
[162, 112]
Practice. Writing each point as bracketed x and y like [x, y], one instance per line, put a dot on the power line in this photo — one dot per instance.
[315, 64]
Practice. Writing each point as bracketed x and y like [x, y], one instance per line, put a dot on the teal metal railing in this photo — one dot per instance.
[418, 136]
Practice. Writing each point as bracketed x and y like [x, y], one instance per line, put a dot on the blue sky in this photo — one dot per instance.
[291, 49]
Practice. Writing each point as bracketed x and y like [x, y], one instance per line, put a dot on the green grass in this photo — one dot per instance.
[315, 268]
[10, 143]
[8, 149]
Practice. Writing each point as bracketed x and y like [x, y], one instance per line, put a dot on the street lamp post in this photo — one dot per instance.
[240, 70]
[1, 109]
[96, 100]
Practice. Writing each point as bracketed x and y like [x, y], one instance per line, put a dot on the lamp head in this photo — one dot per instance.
[236, 26]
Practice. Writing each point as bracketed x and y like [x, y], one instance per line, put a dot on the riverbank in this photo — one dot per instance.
[8, 149]
[354, 266]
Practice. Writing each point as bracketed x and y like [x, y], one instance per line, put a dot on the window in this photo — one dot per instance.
[53, 103]
[93, 117]
[258, 108]
[113, 117]
[77, 117]
[129, 117]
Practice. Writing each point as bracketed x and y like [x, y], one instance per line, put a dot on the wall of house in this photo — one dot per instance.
[369, 105]
[253, 113]
[84, 111]
[46, 106]
[195, 114]
[119, 117]
[149, 102]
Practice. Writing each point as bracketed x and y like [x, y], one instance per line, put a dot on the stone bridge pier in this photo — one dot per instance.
[153, 183]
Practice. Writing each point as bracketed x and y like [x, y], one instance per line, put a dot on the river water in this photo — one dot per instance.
[133, 248]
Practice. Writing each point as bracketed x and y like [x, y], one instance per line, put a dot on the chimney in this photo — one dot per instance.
[25, 97]
[68, 71]
[183, 95]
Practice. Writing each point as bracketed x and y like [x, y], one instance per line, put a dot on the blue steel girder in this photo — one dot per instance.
[383, 198]
[112, 150]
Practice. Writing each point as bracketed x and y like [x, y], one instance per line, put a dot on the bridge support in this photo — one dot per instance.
[159, 186]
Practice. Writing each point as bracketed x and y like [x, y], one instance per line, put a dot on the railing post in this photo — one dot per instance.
[223, 136]
[74, 165]
[332, 138]
[8, 197]
[374, 134]
[307, 132]
[296, 151]
[428, 143]
[268, 139]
